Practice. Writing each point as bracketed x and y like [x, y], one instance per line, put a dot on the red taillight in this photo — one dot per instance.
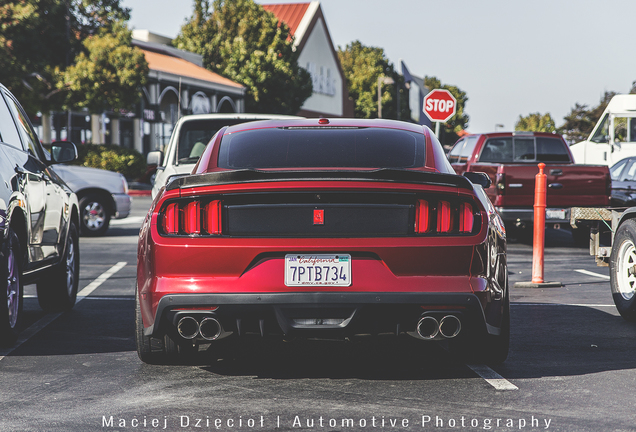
[466, 218]
[444, 217]
[192, 218]
[421, 217]
[171, 219]
[212, 218]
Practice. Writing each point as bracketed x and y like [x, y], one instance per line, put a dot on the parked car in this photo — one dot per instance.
[322, 228]
[511, 158]
[623, 175]
[190, 136]
[102, 195]
[38, 220]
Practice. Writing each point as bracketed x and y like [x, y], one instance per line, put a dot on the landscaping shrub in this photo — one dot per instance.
[123, 160]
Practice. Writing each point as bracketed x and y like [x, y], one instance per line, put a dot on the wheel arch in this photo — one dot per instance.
[18, 223]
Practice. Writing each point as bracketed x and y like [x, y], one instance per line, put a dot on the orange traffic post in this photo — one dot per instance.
[538, 243]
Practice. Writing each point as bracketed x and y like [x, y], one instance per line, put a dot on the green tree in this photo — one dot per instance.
[362, 66]
[244, 42]
[536, 122]
[109, 75]
[37, 42]
[580, 121]
[457, 123]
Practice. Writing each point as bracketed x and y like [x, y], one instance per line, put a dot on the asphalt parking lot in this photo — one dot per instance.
[571, 368]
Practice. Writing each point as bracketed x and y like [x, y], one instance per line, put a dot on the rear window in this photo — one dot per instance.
[194, 135]
[322, 148]
[524, 149]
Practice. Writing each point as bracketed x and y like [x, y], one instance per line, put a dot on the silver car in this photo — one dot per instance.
[102, 195]
[190, 136]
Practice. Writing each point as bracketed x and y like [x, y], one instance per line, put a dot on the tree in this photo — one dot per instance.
[244, 42]
[457, 123]
[536, 122]
[38, 42]
[109, 75]
[362, 66]
[579, 123]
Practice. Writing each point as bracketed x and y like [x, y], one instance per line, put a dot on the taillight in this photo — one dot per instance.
[170, 221]
[421, 217]
[444, 219]
[466, 218]
[433, 216]
[192, 218]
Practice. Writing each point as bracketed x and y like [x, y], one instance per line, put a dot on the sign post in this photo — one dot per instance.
[439, 106]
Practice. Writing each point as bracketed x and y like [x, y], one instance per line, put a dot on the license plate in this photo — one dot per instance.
[555, 213]
[319, 270]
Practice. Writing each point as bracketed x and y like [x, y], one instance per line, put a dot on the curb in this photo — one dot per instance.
[138, 192]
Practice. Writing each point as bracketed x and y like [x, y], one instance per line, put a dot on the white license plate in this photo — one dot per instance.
[555, 213]
[320, 270]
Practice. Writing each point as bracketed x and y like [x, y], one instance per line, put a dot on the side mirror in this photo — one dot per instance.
[63, 152]
[479, 178]
[154, 158]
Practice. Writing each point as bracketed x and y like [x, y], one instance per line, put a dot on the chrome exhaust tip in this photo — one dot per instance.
[210, 329]
[450, 326]
[428, 327]
[188, 327]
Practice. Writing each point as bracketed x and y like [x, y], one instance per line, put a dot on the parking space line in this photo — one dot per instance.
[589, 273]
[563, 304]
[34, 328]
[128, 220]
[492, 377]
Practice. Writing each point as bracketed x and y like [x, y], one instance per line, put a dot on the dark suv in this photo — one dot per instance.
[38, 220]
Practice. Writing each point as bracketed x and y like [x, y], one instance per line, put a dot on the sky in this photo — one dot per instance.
[511, 57]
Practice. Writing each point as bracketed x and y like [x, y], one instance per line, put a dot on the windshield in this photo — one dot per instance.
[322, 147]
[194, 136]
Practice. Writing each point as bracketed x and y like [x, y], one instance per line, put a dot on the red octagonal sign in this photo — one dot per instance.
[440, 105]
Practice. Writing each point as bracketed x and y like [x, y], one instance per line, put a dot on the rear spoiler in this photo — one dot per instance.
[379, 175]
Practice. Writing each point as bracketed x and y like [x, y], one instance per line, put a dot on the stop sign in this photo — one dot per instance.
[440, 105]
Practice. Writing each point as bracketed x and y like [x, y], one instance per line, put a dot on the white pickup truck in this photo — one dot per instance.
[190, 136]
[614, 136]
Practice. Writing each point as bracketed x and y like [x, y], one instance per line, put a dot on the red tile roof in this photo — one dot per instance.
[178, 66]
[289, 13]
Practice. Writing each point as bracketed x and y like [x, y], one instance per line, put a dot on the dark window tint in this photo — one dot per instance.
[524, 149]
[194, 136]
[8, 132]
[497, 150]
[26, 131]
[629, 171]
[322, 148]
[551, 150]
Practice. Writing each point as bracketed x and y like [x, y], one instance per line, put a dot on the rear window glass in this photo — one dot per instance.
[551, 150]
[322, 147]
[524, 149]
[194, 135]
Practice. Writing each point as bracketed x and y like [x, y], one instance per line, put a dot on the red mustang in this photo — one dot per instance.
[322, 228]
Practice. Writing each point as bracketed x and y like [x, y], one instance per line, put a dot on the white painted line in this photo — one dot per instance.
[127, 221]
[48, 319]
[100, 280]
[493, 378]
[563, 304]
[589, 273]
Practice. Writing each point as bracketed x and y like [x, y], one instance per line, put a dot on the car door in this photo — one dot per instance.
[47, 223]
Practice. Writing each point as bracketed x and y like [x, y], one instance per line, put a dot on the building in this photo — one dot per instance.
[317, 54]
[178, 84]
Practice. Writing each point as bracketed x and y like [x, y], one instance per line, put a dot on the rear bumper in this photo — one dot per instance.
[123, 203]
[526, 215]
[319, 314]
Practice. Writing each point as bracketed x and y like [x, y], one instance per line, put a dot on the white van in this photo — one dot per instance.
[614, 136]
[190, 136]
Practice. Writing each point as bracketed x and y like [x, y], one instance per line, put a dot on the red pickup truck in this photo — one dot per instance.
[511, 158]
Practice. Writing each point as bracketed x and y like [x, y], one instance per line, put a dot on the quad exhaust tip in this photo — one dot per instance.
[209, 328]
[429, 327]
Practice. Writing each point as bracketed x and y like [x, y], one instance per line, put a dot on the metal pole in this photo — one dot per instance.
[380, 96]
[437, 129]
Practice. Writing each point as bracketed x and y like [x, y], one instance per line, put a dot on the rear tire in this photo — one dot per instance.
[145, 350]
[623, 270]
[58, 290]
[11, 275]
